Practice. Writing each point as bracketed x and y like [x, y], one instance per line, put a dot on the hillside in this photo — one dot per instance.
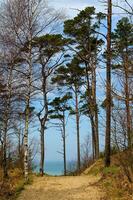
[113, 180]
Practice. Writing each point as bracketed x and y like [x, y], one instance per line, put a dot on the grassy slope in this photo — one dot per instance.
[11, 187]
[113, 181]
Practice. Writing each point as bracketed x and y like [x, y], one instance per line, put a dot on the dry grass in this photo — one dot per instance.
[12, 186]
[114, 182]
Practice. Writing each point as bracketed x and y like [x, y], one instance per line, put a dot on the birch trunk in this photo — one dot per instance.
[6, 120]
[5, 170]
[26, 155]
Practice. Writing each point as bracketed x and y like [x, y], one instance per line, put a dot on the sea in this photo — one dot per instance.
[56, 168]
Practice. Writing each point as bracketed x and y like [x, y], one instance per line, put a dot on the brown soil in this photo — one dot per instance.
[63, 188]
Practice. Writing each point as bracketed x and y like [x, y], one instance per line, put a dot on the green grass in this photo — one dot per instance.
[113, 180]
[21, 186]
[96, 168]
[112, 170]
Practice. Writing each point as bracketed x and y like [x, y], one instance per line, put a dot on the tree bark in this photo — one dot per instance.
[64, 145]
[108, 88]
[6, 120]
[78, 132]
[28, 97]
[91, 113]
[5, 171]
[43, 119]
[97, 134]
[26, 155]
[127, 102]
[96, 130]
[42, 150]
[93, 137]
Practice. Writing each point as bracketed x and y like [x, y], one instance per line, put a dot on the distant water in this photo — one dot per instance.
[56, 168]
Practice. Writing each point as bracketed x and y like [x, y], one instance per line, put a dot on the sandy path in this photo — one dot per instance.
[63, 188]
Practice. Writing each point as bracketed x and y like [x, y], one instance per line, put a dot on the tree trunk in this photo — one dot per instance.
[29, 86]
[64, 145]
[108, 89]
[26, 142]
[95, 110]
[91, 105]
[78, 132]
[42, 151]
[93, 137]
[6, 120]
[5, 172]
[127, 102]
[19, 145]
[97, 134]
[44, 119]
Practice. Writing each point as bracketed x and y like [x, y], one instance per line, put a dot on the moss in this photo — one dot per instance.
[96, 168]
[19, 187]
[112, 170]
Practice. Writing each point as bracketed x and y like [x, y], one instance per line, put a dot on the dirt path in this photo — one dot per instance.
[63, 188]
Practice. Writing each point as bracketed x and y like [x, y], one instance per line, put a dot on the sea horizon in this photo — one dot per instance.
[56, 168]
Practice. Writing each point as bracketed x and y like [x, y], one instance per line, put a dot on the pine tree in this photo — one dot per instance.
[122, 39]
[84, 31]
[51, 51]
[71, 77]
[59, 108]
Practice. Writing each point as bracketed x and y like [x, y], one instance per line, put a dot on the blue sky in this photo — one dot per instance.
[53, 142]
[69, 5]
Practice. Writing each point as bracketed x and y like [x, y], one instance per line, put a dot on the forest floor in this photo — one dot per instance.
[64, 188]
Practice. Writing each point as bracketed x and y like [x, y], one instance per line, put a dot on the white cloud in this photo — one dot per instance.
[70, 6]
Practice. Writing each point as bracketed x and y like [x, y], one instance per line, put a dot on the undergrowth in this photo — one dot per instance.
[12, 186]
[113, 180]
